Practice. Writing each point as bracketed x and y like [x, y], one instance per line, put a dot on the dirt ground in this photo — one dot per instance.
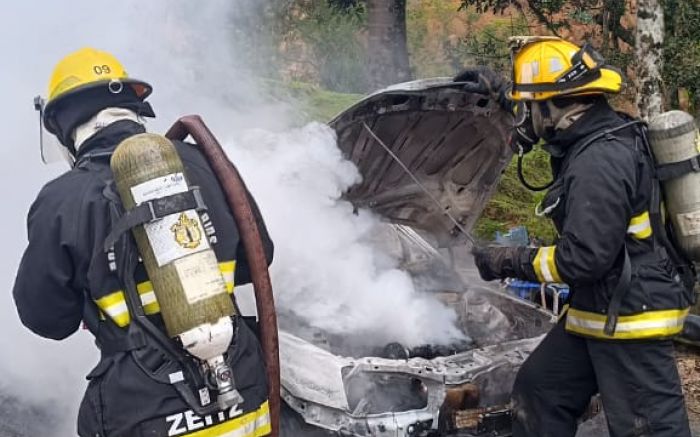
[688, 359]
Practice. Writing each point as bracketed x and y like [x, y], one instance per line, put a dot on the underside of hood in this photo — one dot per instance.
[454, 142]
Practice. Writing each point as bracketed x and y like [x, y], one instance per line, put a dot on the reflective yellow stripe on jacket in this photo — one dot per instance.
[640, 226]
[545, 266]
[114, 304]
[253, 424]
[651, 324]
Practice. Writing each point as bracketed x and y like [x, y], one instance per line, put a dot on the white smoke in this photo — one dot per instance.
[324, 265]
[327, 268]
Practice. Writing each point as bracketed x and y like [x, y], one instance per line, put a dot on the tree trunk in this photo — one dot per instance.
[606, 27]
[683, 99]
[387, 50]
[649, 54]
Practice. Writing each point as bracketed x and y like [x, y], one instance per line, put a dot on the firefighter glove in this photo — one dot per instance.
[502, 262]
[483, 80]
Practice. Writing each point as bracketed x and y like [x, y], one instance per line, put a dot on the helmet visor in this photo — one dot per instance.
[50, 149]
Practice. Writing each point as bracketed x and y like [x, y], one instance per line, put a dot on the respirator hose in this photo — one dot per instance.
[523, 181]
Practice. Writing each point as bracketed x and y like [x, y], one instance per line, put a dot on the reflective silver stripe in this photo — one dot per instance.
[635, 229]
[114, 304]
[544, 265]
[252, 424]
[626, 326]
[117, 309]
[149, 297]
[262, 420]
[249, 429]
[640, 226]
[650, 324]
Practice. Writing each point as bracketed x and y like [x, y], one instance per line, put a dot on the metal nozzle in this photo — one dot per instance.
[226, 386]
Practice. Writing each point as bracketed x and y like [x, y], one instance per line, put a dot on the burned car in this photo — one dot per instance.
[430, 154]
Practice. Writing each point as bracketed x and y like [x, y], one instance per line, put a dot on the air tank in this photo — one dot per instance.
[181, 265]
[674, 137]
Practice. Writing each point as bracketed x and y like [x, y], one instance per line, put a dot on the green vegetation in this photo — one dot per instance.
[514, 205]
[442, 41]
[682, 49]
[319, 104]
[331, 32]
[611, 20]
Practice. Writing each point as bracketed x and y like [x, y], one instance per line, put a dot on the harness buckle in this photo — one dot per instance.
[695, 163]
[198, 199]
[152, 211]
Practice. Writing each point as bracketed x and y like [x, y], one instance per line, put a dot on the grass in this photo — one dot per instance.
[514, 205]
[315, 103]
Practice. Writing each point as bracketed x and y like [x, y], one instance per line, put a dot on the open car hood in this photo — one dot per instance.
[454, 142]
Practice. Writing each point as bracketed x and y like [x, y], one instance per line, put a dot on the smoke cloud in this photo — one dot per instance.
[325, 268]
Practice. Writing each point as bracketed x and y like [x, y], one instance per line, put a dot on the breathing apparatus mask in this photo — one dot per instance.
[524, 136]
[536, 121]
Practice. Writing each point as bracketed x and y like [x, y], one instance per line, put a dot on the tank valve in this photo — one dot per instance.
[225, 383]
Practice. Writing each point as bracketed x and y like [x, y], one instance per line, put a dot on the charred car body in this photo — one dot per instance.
[449, 149]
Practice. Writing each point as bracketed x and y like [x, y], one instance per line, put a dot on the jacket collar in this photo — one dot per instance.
[106, 140]
[597, 119]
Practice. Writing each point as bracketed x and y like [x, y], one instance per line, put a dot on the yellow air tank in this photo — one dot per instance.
[181, 264]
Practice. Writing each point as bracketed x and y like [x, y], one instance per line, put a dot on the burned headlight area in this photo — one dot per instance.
[383, 392]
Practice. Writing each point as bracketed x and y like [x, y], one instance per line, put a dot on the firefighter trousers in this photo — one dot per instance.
[637, 380]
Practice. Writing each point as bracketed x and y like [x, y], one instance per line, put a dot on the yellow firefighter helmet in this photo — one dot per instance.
[546, 67]
[89, 67]
[85, 69]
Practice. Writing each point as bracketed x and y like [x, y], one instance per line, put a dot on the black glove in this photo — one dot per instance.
[504, 262]
[483, 80]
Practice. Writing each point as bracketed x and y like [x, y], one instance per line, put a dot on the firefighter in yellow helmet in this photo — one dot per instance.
[627, 297]
[65, 277]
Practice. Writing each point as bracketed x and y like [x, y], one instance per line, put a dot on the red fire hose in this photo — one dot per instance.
[237, 198]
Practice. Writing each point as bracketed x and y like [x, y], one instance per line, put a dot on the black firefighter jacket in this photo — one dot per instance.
[65, 275]
[600, 205]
